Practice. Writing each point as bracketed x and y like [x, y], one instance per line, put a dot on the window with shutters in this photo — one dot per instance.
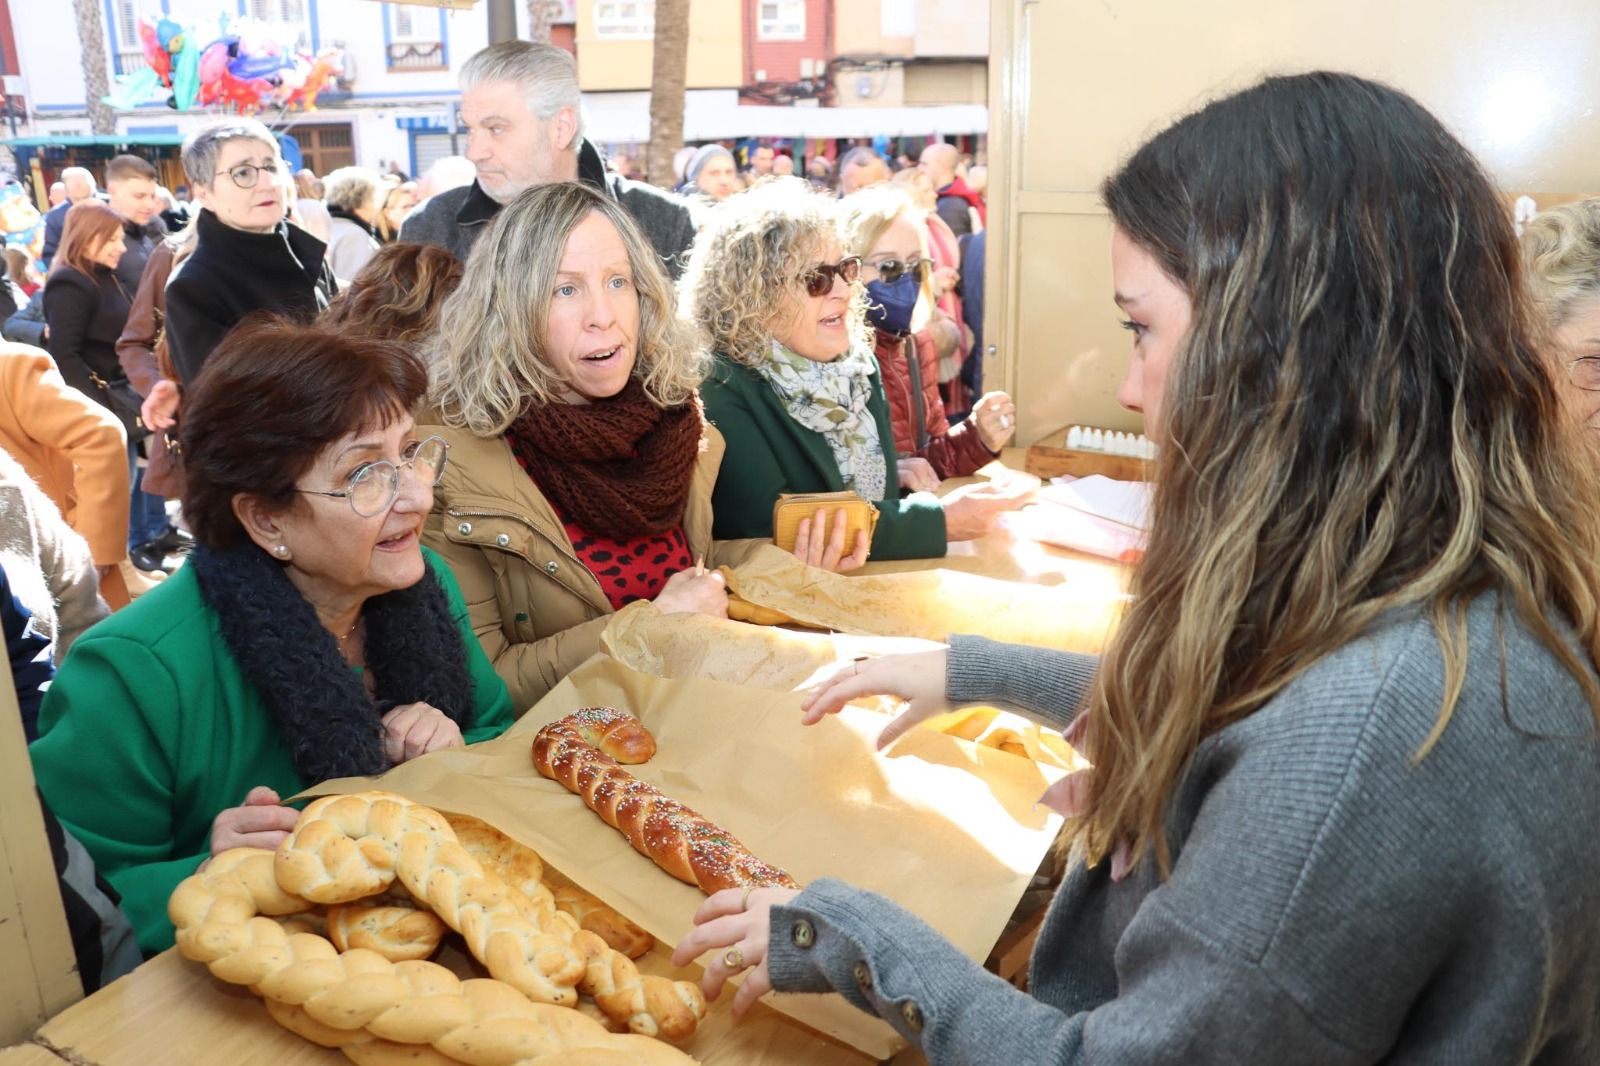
[325, 148]
[125, 42]
[782, 20]
[416, 38]
[623, 19]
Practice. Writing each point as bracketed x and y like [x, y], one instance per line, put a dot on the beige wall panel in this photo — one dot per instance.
[947, 28]
[947, 83]
[1076, 86]
[870, 88]
[858, 30]
[715, 51]
[1075, 350]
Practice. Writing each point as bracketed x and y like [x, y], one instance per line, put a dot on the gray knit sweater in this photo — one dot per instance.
[1330, 901]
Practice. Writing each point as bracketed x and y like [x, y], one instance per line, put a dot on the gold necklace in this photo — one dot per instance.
[342, 640]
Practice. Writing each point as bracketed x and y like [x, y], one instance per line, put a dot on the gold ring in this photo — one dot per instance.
[733, 959]
[744, 904]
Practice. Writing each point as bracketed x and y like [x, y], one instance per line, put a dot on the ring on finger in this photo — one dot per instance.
[733, 959]
[744, 902]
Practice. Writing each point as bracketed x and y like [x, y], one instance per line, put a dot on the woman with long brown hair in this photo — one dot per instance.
[1345, 770]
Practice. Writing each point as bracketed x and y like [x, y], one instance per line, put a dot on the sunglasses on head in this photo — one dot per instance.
[892, 270]
[819, 282]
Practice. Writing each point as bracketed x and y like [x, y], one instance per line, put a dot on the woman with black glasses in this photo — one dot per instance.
[309, 636]
[885, 228]
[795, 389]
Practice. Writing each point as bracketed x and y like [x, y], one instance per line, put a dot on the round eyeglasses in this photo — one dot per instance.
[371, 489]
[1585, 373]
[248, 175]
[819, 280]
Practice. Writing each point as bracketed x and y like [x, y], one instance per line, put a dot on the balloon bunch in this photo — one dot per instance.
[245, 66]
[20, 221]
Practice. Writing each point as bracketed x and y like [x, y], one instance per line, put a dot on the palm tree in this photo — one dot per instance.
[96, 83]
[668, 72]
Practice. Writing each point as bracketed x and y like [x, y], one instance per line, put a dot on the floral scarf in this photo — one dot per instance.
[831, 399]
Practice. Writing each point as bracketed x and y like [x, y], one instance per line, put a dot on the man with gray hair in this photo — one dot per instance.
[520, 107]
[80, 186]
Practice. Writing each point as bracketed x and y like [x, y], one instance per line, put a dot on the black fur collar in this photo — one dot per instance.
[414, 650]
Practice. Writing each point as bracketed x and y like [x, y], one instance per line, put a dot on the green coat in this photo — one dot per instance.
[150, 730]
[769, 453]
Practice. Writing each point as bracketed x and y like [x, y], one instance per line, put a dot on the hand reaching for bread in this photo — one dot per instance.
[918, 678]
[261, 821]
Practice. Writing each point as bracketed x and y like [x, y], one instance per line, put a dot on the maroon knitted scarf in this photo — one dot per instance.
[619, 467]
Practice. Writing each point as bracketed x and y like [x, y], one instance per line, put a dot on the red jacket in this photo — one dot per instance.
[911, 382]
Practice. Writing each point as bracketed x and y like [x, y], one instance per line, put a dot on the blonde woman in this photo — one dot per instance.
[795, 388]
[1562, 250]
[580, 468]
[1345, 767]
[884, 228]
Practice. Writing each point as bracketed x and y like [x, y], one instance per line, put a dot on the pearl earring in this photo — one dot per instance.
[281, 551]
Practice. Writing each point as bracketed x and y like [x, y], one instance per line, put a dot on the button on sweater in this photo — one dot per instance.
[1332, 901]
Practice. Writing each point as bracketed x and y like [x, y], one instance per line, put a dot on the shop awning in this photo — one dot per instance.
[632, 125]
[97, 140]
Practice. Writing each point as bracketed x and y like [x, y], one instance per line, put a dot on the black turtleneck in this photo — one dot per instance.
[233, 272]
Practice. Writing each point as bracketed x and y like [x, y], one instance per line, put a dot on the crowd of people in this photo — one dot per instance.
[426, 440]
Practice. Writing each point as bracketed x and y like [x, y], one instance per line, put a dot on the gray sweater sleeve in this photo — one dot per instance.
[1189, 1000]
[1051, 684]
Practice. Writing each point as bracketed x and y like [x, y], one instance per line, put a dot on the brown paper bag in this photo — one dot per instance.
[949, 830]
[930, 604]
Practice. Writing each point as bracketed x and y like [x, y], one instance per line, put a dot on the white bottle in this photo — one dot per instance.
[1075, 437]
[1098, 440]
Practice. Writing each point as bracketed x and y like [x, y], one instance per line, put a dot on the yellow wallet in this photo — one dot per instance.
[794, 508]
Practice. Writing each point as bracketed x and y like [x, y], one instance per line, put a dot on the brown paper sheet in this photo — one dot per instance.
[948, 829]
[787, 660]
[930, 604]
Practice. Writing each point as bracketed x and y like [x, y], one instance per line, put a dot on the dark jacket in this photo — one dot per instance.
[140, 241]
[55, 221]
[27, 325]
[769, 453]
[232, 273]
[952, 207]
[910, 369]
[86, 316]
[456, 218]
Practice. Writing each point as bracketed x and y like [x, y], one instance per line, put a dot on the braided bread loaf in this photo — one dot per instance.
[375, 1010]
[617, 733]
[526, 872]
[680, 841]
[645, 1004]
[398, 932]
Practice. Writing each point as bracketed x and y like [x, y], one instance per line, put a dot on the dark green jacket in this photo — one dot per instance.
[150, 730]
[770, 453]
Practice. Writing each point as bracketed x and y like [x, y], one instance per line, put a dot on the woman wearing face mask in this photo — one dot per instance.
[795, 388]
[885, 229]
[581, 468]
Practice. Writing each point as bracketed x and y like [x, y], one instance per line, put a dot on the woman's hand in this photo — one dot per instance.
[261, 821]
[734, 923]
[918, 678]
[917, 475]
[970, 511]
[413, 729]
[694, 592]
[996, 418]
[815, 546]
[160, 408]
[945, 278]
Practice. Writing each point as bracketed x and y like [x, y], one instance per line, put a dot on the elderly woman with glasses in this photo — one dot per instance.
[1561, 253]
[310, 636]
[247, 256]
[795, 389]
[886, 229]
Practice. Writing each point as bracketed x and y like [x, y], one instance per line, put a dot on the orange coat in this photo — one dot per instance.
[74, 448]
